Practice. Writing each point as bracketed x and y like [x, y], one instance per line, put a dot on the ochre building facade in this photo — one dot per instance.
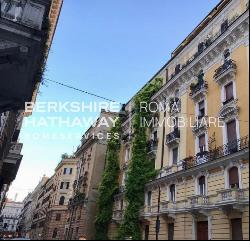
[202, 191]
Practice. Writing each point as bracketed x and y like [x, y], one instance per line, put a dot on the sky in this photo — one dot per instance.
[111, 48]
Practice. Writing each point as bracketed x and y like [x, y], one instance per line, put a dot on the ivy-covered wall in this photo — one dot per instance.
[141, 169]
[109, 185]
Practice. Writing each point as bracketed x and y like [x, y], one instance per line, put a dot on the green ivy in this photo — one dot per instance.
[109, 185]
[141, 169]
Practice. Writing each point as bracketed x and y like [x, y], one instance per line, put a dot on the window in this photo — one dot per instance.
[67, 171]
[172, 193]
[127, 154]
[171, 231]
[175, 155]
[202, 109]
[224, 26]
[62, 185]
[61, 201]
[202, 143]
[234, 178]
[202, 185]
[229, 91]
[177, 68]
[67, 185]
[167, 75]
[176, 123]
[236, 227]
[55, 233]
[121, 205]
[146, 232]
[232, 137]
[58, 217]
[149, 199]
[227, 54]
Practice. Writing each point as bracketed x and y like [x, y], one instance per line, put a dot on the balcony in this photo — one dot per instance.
[78, 199]
[200, 125]
[174, 106]
[199, 90]
[231, 195]
[173, 138]
[12, 162]
[229, 110]
[226, 71]
[217, 153]
[199, 201]
[27, 13]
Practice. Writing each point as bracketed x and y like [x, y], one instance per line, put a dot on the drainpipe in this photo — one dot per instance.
[158, 224]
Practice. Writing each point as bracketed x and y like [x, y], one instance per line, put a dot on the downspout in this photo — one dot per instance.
[157, 228]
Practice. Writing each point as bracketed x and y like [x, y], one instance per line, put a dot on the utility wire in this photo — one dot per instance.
[82, 91]
[107, 99]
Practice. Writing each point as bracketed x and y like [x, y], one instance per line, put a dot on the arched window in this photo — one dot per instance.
[202, 185]
[172, 193]
[55, 231]
[62, 200]
[234, 178]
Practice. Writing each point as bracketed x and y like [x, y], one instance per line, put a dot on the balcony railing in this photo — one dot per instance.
[207, 43]
[26, 13]
[201, 123]
[200, 88]
[173, 137]
[174, 105]
[228, 101]
[232, 195]
[219, 152]
[199, 200]
[228, 67]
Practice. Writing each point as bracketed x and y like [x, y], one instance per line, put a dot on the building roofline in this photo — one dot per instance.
[223, 4]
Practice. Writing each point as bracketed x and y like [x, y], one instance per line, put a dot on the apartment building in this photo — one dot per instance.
[27, 29]
[61, 193]
[27, 213]
[41, 209]
[10, 216]
[202, 190]
[91, 154]
[25, 217]
[10, 150]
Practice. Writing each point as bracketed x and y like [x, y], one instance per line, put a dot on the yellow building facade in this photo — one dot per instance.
[202, 191]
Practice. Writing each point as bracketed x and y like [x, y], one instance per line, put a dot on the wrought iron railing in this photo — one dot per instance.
[229, 64]
[176, 134]
[228, 101]
[198, 87]
[219, 152]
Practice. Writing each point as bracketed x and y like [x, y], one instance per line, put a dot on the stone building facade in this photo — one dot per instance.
[91, 154]
[57, 213]
[10, 216]
[202, 191]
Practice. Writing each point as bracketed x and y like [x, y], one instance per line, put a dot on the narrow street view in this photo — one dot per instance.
[124, 120]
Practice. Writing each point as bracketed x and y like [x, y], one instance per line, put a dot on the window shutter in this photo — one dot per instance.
[234, 177]
[231, 131]
[175, 155]
[229, 91]
[202, 142]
